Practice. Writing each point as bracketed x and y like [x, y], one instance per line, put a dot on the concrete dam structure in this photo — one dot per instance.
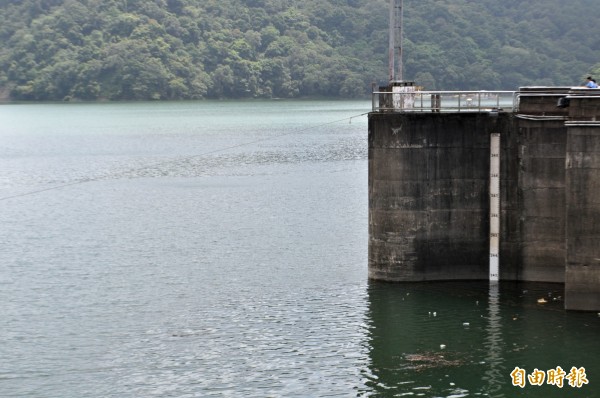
[434, 213]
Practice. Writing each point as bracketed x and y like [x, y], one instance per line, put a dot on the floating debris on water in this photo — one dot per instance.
[428, 360]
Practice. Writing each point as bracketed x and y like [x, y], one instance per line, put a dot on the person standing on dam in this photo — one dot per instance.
[591, 83]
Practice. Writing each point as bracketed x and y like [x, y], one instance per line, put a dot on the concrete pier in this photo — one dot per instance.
[582, 185]
[427, 196]
[429, 203]
[540, 196]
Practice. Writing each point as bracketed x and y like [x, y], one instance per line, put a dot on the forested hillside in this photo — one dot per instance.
[186, 49]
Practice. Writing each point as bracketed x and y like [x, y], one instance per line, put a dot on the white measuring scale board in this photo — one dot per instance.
[494, 207]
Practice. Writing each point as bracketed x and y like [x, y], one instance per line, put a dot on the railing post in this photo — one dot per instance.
[373, 93]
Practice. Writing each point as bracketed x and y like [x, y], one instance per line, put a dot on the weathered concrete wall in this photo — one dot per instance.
[541, 200]
[582, 280]
[428, 196]
[510, 206]
[585, 105]
[583, 219]
[542, 101]
[542, 138]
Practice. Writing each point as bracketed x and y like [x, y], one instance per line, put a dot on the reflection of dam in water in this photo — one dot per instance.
[461, 339]
[430, 204]
[494, 374]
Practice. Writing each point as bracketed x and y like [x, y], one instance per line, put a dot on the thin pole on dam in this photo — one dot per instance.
[395, 41]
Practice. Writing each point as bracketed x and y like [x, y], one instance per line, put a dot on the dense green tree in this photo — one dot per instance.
[186, 49]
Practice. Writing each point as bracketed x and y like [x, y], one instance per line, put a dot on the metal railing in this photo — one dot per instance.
[444, 101]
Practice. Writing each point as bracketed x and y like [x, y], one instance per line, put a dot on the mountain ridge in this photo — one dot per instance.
[183, 49]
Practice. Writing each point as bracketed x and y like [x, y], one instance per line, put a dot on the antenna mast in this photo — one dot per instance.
[395, 47]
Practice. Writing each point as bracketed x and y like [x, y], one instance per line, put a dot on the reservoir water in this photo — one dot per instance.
[219, 249]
